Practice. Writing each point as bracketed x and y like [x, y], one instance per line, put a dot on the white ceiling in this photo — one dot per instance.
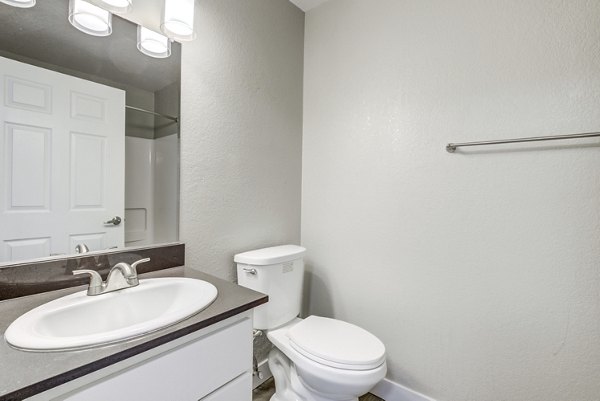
[306, 5]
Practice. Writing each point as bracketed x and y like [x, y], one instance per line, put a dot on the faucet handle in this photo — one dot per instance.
[81, 248]
[139, 262]
[95, 286]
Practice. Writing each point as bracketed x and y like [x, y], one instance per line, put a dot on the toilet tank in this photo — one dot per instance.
[278, 272]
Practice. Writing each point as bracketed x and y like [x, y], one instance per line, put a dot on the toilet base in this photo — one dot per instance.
[290, 387]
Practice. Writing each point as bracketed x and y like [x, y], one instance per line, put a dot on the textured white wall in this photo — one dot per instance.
[241, 137]
[479, 270]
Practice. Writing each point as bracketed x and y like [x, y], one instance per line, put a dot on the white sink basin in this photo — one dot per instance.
[80, 321]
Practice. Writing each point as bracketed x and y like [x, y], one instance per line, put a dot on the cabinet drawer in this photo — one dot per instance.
[239, 389]
[188, 372]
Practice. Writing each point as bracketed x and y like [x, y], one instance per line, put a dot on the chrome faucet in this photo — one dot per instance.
[82, 248]
[122, 275]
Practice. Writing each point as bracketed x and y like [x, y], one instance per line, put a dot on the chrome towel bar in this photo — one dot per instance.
[176, 119]
[451, 147]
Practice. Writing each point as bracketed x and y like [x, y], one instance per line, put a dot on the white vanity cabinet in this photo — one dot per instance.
[212, 364]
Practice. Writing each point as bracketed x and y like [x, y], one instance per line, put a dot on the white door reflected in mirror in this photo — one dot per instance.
[63, 156]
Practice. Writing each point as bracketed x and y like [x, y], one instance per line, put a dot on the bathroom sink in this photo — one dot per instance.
[79, 321]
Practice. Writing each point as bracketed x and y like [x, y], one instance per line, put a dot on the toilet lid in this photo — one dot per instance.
[337, 344]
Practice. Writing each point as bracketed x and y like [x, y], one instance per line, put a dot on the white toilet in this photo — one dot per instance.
[314, 359]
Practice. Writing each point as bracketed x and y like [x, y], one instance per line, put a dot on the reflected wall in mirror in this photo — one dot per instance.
[89, 137]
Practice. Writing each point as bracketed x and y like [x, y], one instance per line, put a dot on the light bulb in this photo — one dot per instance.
[153, 44]
[89, 18]
[178, 20]
[19, 3]
[118, 6]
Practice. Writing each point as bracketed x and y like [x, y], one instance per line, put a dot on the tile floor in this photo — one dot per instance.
[266, 390]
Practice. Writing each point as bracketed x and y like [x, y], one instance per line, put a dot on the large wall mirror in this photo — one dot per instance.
[89, 137]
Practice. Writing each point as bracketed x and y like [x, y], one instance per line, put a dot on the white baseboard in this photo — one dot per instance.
[391, 391]
[263, 367]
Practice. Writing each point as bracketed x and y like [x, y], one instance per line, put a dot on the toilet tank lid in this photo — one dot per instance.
[270, 256]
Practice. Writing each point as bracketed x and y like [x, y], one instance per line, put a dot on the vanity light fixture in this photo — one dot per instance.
[178, 20]
[153, 44]
[117, 6]
[89, 18]
[19, 3]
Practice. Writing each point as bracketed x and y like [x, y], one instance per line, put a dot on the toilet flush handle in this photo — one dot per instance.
[249, 270]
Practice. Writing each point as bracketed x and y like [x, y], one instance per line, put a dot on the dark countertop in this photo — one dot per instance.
[24, 374]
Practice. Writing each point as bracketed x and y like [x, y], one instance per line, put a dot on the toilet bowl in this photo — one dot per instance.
[317, 365]
[316, 358]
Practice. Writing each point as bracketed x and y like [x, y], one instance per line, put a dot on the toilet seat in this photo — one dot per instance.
[336, 343]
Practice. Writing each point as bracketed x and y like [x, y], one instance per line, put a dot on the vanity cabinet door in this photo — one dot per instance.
[208, 367]
[236, 390]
